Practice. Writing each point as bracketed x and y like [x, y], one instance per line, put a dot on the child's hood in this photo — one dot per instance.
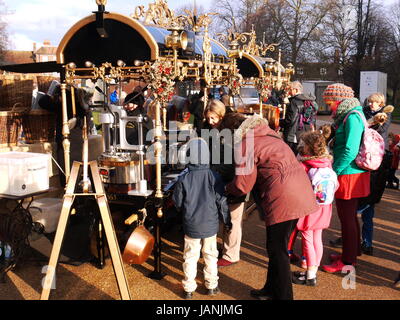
[316, 162]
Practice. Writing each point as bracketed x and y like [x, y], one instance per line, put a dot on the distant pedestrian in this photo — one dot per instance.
[394, 147]
[300, 115]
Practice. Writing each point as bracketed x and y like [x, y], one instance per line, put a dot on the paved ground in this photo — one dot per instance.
[374, 274]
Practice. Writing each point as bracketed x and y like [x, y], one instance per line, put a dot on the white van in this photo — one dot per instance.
[248, 95]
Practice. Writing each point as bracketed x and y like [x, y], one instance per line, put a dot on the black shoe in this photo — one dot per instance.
[188, 295]
[300, 278]
[367, 250]
[213, 292]
[396, 283]
[336, 243]
[261, 294]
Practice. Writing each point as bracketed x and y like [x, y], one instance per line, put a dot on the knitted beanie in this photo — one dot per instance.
[338, 92]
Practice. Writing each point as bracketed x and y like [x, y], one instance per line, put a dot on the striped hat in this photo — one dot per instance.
[338, 92]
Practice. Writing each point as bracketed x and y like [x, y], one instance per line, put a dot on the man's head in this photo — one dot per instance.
[295, 88]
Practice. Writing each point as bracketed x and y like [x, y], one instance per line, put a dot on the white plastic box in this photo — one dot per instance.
[47, 212]
[23, 173]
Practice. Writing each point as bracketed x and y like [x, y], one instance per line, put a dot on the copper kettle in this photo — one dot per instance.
[140, 243]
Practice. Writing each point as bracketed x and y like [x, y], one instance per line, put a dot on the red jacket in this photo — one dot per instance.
[285, 190]
[396, 152]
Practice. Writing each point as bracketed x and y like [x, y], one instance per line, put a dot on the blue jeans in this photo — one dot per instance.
[367, 215]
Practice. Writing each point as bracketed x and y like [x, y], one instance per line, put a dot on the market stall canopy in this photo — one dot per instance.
[37, 67]
[126, 39]
[251, 66]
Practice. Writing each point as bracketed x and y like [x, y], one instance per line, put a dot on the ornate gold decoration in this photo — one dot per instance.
[159, 14]
[246, 42]
[263, 86]
[160, 80]
[198, 22]
[234, 83]
[101, 2]
[207, 58]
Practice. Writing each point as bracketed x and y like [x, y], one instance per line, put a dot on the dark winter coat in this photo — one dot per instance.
[221, 153]
[196, 108]
[379, 177]
[283, 186]
[290, 125]
[383, 129]
[199, 194]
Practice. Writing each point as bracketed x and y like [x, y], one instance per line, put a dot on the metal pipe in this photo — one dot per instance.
[65, 132]
[141, 144]
[158, 150]
[73, 101]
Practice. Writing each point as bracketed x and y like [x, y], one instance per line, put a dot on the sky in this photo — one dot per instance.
[30, 21]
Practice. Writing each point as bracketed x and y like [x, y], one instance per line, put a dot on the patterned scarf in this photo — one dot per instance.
[344, 108]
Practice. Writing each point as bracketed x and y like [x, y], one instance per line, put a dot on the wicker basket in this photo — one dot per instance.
[38, 126]
[15, 91]
[10, 128]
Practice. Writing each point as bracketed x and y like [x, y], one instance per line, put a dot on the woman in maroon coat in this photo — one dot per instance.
[270, 168]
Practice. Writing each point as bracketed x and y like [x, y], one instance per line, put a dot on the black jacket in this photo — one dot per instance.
[378, 177]
[291, 132]
[199, 194]
[383, 129]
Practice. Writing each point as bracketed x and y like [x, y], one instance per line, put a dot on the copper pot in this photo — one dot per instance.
[139, 246]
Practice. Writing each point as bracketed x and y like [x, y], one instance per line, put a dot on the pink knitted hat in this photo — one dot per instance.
[338, 92]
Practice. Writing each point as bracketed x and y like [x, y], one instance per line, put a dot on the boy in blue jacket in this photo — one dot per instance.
[199, 194]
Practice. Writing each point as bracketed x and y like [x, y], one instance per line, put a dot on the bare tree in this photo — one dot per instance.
[298, 20]
[3, 31]
[336, 42]
[228, 16]
[369, 41]
[392, 60]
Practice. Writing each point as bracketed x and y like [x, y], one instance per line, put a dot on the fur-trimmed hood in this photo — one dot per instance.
[255, 122]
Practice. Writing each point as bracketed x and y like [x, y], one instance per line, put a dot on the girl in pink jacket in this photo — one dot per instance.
[317, 162]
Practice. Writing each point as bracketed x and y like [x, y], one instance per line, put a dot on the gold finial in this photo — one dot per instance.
[101, 2]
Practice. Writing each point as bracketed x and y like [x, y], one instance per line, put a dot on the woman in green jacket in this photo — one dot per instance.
[354, 181]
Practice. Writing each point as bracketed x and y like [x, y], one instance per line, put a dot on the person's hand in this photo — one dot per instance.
[130, 106]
